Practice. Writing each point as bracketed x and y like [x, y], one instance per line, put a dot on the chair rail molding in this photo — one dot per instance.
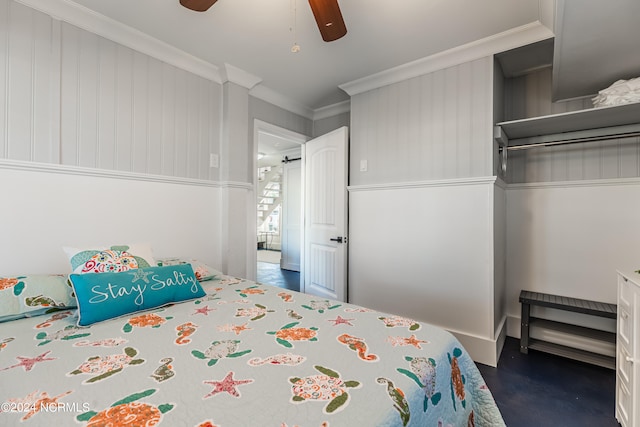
[107, 173]
[424, 184]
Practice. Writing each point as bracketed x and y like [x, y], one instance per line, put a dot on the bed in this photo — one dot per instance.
[239, 354]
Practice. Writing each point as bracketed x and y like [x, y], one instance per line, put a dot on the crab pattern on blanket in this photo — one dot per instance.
[246, 353]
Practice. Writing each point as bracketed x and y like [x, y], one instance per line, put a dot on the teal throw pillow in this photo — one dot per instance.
[103, 296]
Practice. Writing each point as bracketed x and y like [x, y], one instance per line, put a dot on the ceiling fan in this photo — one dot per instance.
[326, 12]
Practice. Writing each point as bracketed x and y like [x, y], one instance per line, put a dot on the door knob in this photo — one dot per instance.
[337, 239]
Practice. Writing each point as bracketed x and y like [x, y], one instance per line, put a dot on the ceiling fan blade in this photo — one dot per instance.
[329, 19]
[198, 5]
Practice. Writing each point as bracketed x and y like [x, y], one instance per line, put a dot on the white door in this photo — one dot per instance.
[291, 215]
[325, 248]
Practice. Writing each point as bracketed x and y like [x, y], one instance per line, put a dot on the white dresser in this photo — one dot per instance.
[628, 350]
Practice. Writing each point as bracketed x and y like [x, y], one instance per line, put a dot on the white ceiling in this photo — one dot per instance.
[256, 36]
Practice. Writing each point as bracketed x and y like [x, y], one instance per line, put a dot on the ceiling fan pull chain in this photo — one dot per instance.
[295, 48]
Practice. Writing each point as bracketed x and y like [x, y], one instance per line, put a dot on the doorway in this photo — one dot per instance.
[279, 187]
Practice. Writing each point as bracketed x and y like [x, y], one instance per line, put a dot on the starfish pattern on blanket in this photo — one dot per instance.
[204, 310]
[404, 341]
[29, 362]
[228, 385]
[341, 321]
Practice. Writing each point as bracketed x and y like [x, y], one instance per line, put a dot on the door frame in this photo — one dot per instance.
[259, 127]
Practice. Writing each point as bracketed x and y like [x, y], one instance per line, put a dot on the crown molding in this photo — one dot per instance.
[87, 19]
[332, 110]
[82, 17]
[510, 39]
[240, 77]
[272, 97]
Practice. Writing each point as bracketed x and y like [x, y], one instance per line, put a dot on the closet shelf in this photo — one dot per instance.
[576, 126]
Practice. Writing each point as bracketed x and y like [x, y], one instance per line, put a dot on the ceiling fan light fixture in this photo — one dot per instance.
[329, 19]
[198, 5]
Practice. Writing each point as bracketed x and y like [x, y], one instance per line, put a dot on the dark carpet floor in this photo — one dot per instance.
[539, 389]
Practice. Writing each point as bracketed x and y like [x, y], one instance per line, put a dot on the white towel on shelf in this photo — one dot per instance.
[621, 92]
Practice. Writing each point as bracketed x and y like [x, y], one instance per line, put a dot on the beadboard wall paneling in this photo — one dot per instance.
[72, 97]
[498, 114]
[123, 110]
[435, 126]
[618, 158]
[28, 74]
[4, 79]
[326, 125]
[267, 112]
[530, 96]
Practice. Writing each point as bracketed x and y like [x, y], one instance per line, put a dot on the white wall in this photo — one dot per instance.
[499, 256]
[426, 251]
[116, 144]
[569, 239]
[571, 214]
[47, 207]
[421, 227]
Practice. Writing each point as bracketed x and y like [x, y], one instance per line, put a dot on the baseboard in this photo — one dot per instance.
[483, 350]
[513, 326]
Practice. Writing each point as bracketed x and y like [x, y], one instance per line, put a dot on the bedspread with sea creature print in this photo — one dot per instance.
[244, 355]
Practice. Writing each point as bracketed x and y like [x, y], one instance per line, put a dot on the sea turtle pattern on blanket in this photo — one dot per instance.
[246, 353]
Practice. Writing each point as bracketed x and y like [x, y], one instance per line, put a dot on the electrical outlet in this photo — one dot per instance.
[214, 160]
[363, 165]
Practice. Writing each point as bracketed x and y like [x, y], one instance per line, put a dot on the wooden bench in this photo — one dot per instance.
[592, 308]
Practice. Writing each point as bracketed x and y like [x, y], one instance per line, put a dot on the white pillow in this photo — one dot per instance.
[202, 271]
[114, 259]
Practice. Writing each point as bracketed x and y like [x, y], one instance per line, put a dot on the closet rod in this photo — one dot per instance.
[574, 141]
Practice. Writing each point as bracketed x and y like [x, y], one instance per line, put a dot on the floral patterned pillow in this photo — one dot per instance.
[114, 259]
[29, 296]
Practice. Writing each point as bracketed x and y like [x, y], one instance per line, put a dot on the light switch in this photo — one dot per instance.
[363, 165]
